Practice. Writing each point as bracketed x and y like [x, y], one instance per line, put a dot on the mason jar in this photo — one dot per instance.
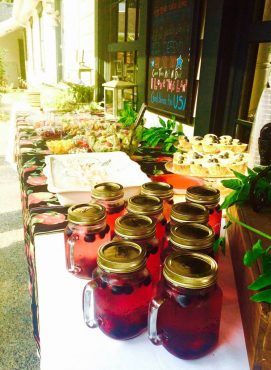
[190, 237]
[209, 197]
[86, 231]
[185, 316]
[153, 207]
[162, 190]
[111, 196]
[116, 299]
[141, 230]
[188, 212]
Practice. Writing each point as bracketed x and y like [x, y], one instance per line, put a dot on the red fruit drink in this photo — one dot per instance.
[152, 207]
[185, 317]
[84, 234]
[120, 291]
[163, 191]
[141, 230]
[209, 197]
[110, 195]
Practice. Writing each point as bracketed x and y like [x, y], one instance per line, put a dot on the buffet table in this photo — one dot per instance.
[42, 212]
[64, 341]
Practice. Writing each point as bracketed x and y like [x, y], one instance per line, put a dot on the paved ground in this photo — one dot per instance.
[17, 345]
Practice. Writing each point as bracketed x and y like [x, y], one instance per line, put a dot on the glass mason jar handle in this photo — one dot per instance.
[152, 324]
[71, 243]
[89, 304]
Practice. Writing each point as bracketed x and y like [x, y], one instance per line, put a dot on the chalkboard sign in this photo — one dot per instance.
[171, 59]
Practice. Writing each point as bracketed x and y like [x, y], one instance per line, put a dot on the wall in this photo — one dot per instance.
[12, 67]
[5, 11]
[38, 72]
[78, 32]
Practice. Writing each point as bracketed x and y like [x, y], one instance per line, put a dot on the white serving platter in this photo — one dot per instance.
[72, 176]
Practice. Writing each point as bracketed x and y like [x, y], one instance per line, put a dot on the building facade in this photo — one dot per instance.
[90, 41]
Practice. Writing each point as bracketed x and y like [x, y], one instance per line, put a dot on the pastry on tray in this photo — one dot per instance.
[226, 142]
[196, 142]
[184, 143]
[211, 144]
[180, 163]
[209, 164]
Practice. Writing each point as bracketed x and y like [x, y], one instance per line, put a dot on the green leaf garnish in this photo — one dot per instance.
[264, 296]
[233, 184]
[241, 193]
[219, 243]
[251, 256]
[164, 136]
[261, 282]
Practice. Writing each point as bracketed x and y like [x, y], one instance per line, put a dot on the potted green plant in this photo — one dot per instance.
[80, 93]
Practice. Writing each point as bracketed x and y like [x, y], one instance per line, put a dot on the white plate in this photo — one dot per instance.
[72, 176]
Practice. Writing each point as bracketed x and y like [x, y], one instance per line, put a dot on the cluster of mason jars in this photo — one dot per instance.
[150, 265]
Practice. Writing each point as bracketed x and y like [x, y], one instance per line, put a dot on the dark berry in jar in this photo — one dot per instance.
[147, 280]
[103, 284]
[116, 289]
[127, 289]
[154, 250]
[89, 238]
[68, 231]
[183, 300]
[102, 234]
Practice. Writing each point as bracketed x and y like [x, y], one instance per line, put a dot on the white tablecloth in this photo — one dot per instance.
[68, 344]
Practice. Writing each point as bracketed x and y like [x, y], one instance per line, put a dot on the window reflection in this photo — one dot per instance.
[258, 69]
[121, 21]
[125, 65]
[267, 11]
[128, 18]
[257, 72]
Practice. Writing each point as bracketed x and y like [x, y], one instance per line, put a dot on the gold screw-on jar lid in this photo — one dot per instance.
[161, 190]
[108, 191]
[190, 270]
[145, 205]
[121, 257]
[135, 226]
[202, 194]
[86, 214]
[189, 212]
[192, 236]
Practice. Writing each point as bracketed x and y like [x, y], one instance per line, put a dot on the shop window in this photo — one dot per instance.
[257, 69]
[125, 65]
[128, 17]
[262, 10]
[267, 11]
[126, 48]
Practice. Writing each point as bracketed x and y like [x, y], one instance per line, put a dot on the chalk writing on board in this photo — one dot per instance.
[169, 55]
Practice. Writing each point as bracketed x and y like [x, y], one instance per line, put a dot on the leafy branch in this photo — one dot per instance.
[263, 282]
[166, 135]
[240, 194]
[127, 116]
